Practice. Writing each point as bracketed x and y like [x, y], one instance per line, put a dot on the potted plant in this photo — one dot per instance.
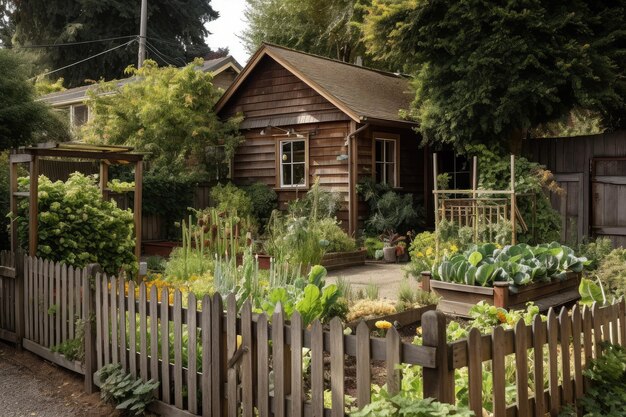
[391, 239]
[401, 253]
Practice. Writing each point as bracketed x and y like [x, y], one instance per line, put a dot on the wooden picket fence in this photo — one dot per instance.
[224, 360]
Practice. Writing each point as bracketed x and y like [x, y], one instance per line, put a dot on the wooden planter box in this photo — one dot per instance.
[337, 260]
[161, 248]
[404, 318]
[457, 299]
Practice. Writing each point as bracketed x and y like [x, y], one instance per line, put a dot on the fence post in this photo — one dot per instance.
[438, 381]
[19, 298]
[426, 275]
[89, 315]
[501, 294]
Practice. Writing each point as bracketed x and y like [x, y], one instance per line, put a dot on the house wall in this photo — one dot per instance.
[225, 78]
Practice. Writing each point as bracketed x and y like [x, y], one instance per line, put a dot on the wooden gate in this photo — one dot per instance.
[608, 198]
[571, 206]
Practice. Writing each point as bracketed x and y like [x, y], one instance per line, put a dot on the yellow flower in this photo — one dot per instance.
[429, 251]
[420, 254]
[454, 248]
[499, 246]
[383, 324]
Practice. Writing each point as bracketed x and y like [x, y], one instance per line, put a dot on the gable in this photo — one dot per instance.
[272, 95]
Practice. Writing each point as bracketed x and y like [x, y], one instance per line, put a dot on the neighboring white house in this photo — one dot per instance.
[224, 72]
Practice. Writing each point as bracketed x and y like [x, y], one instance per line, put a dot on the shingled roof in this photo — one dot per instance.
[79, 94]
[362, 93]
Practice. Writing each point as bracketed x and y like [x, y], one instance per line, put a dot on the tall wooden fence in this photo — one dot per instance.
[223, 360]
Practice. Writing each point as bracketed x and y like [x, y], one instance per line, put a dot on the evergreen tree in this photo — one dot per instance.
[176, 33]
[486, 72]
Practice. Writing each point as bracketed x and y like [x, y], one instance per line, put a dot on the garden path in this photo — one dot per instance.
[30, 386]
[386, 276]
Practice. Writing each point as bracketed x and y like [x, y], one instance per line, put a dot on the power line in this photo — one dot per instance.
[158, 52]
[53, 45]
[86, 59]
[163, 41]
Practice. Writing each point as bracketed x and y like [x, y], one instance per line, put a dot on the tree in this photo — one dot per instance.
[176, 33]
[22, 119]
[324, 27]
[167, 112]
[486, 72]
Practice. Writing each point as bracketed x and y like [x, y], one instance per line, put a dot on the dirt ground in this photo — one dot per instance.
[386, 276]
[30, 386]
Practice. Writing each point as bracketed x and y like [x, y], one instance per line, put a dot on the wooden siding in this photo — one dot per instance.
[274, 92]
[256, 161]
[603, 193]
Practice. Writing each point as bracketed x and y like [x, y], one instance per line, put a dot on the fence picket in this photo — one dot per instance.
[154, 334]
[475, 371]
[577, 349]
[132, 330]
[206, 356]
[363, 373]
[178, 349]
[231, 348]
[565, 333]
[296, 365]
[278, 364]
[192, 366]
[622, 322]
[143, 330]
[114, 320]
[499, 383]
[392, 342]
[596, 314]
[99, 333]
[217, 313]
[521, 373]
[47, 323]
[57, 310]
[263, 392]
[553, 334]
[614, 325]
[63, 306]
[165, 347]
[539, 338]
[247, 377]
[123, 325]
[71, 313]
[337, 368]
[78, 288]
[106, 359]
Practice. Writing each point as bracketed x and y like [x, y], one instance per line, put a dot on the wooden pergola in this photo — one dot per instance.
[105, 155]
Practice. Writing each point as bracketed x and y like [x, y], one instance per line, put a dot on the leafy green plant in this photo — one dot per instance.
[156, 263]
[612, 273]
[264, 201]
[131, 394]
[372, 244]
[73, 349]
[519, 264]
[371, 291]
[230, 199]
[77, 227]
[338, 240]
[595, 250]
[591, 292]
[407, 405]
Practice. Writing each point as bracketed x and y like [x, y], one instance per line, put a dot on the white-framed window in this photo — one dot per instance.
[292, 163]
[385, 161]
[79, 114]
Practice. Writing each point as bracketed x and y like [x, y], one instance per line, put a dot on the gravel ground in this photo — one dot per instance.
[30, 386]
[387, 277]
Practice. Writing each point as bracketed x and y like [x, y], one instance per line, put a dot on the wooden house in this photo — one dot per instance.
[307, 116]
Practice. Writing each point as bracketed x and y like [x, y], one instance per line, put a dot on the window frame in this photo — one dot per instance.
[387, 137]
[280, 164]
[72, 116]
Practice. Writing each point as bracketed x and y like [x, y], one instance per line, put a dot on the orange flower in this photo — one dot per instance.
[502, 316]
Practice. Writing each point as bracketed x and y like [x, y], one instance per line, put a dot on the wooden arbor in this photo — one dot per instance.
[106, 155]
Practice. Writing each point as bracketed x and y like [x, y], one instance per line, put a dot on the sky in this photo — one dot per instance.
[226, 28]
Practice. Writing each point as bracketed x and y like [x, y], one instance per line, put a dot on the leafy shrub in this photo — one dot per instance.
[338, 240]
[612, 273]
[129, 393]
[407, 404]
[596, 250]
[230, 199]
[156, 263]
[606, 395]
[77, 227]
[264, 201]
[423, 252]
[372, 244]
[518, 264]
[4, 200]
[388, 209]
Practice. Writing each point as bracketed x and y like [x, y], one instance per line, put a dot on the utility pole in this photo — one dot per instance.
[143, 26]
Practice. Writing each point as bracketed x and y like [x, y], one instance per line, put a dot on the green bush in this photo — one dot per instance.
[612, 273]
[131, 394]
[264, 201]
[338, 240]
[228, 198]
[372, 244]
[4, 200]
[406, 404]
[389, 211]
[77, 227]
[596, 250]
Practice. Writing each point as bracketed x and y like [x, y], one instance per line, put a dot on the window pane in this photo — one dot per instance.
[390, 174]
[298, 174]
[379, 172]
[298, 151]
[379, 151]
[286, 174]
[286, 151]
[390, 151]
[80, 115]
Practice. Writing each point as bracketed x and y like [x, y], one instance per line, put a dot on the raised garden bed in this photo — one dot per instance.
[404, 318]
[161, 248]
[457, 299]
[337, 260]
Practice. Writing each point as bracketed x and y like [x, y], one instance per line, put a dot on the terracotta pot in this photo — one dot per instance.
[389, 254]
